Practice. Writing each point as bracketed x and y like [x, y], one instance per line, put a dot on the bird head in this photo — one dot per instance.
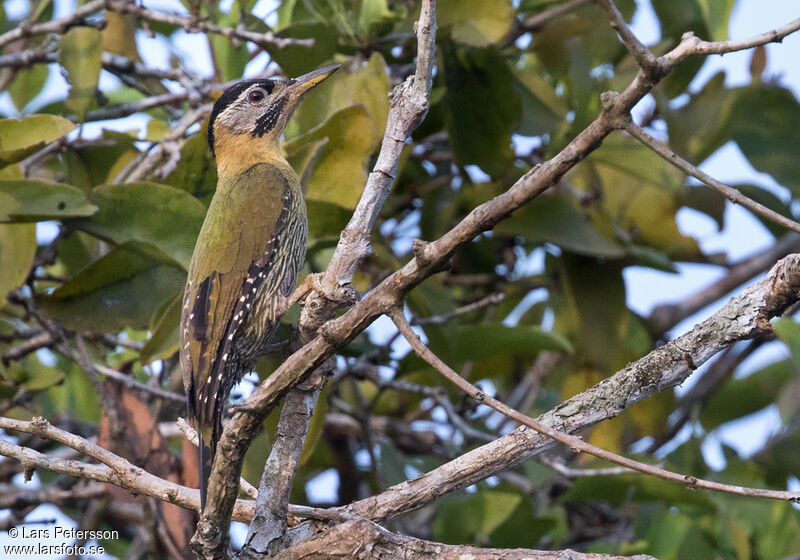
[252, 114]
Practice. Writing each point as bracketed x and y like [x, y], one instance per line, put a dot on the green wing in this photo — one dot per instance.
[233, 251]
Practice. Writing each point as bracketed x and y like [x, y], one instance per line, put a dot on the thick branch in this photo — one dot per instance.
[120, 472]
[367, 541]
[268, 527]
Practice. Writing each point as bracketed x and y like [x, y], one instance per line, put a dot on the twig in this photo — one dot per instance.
[640, 53]
[574, 442]
[537, 21]
[15, 497]
[46, 52]
[729, 192]
[171, 145]
[61, 25]
[570, 472]
[125, 109]
[42, 340]
[195, 25]
[691, 45]
[491, 299]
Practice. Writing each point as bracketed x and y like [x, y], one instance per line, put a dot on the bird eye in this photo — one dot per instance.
[255, 96]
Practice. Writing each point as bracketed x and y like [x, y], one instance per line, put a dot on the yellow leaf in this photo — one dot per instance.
[21, 138]
[369, 86]
[81, 49]
[17, 250]
[340, 171]
[482, 23]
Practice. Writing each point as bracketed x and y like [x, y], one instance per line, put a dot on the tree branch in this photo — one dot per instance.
[743, 317]
[267, 530]
[26, 29]
[244, 425]
[367, 541]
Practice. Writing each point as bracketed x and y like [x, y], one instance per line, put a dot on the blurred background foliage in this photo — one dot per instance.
[92, 265]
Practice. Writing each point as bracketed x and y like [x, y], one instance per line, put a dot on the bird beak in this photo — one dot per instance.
[299, 86]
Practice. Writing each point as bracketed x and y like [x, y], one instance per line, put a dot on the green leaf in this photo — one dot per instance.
[229, 59]
[554, 219]
[620, 489]
[542, 109]
[591, 312]
[163, 341]
[121, 289]
[98, 163]
[79, 54]
[17, 251]
[196, 172]
[374, 13]
[741, 397]
[766, 126]
[340, 170]
[717, 14]
[21, 138]
[35, 201]
[706, 200]
[325, 220]
[77, 394]
[641, 194]
[27, 84]
[39, 376]
[295, 59]
[161, 215]
[789, 332]
[482, 23]
[475, 342]
[475, 517]
[482, 107]
[701, 126]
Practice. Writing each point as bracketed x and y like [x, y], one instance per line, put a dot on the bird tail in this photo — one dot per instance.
[205, 459]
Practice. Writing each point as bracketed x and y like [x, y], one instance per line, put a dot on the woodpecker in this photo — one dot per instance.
[249, 251]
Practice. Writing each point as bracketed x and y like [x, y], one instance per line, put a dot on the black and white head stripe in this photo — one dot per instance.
[231, 95]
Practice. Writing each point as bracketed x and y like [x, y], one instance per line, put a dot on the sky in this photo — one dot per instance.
[646, 288]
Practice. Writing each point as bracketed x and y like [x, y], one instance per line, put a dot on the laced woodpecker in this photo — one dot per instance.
[249, 251]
